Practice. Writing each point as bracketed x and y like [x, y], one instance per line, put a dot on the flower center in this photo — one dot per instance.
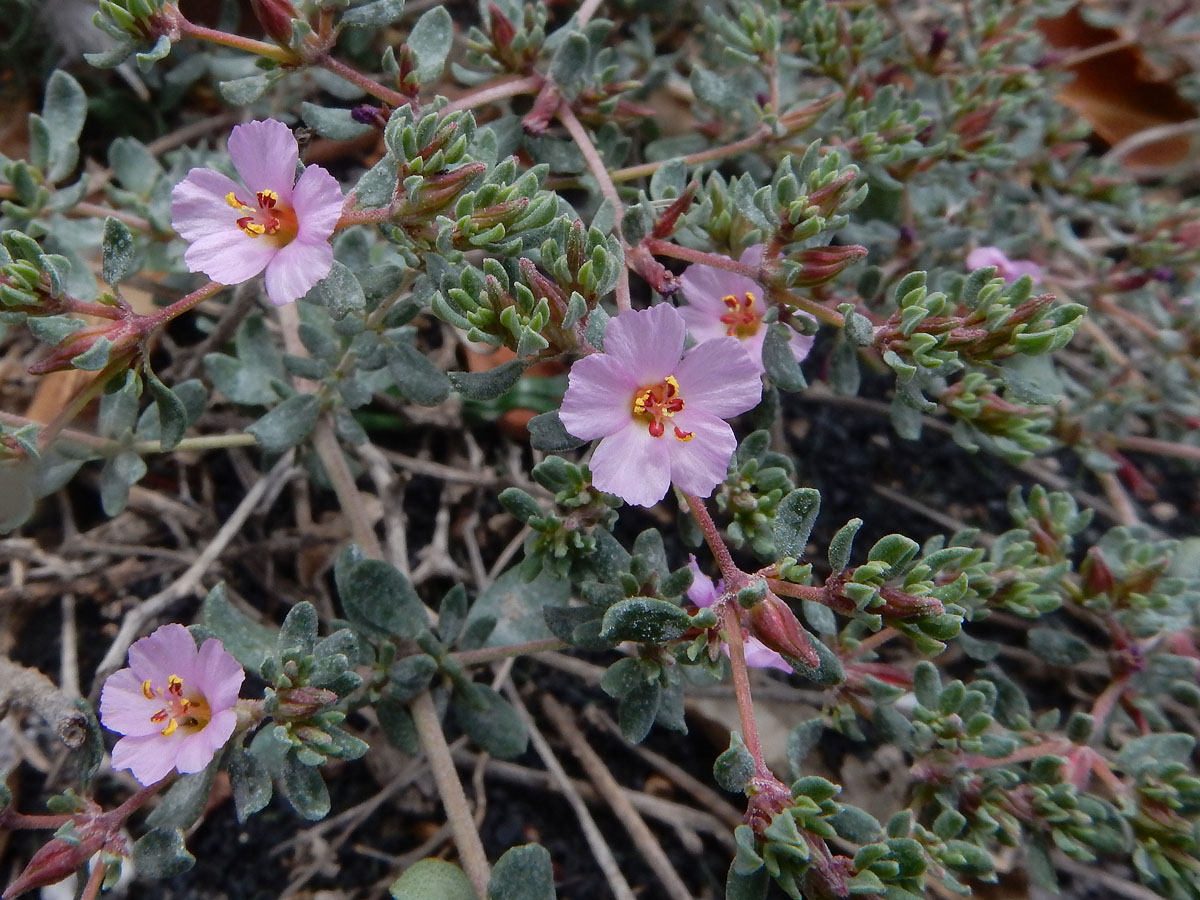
[267, 217]
[654, 404]
[742, 320]
[190, 713]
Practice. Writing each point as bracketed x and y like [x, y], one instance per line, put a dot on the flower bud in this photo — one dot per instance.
[275, 17]
[822, 264]
[299, 702]
[777, 627]
[123, 337]
[502, 30]
[56, 860]
[1097, 577]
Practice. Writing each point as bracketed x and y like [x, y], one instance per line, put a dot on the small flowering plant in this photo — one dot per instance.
[721, 303]
[658, 411]
[174, 704]
[272, 222]
[1008, 269]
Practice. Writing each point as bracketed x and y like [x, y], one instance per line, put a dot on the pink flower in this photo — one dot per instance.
[274, 223]
[724, 304]
[1008, 269]
[704, 594]
[658, 412]
[174, 704]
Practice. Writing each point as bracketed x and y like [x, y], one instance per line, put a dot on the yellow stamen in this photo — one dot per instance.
[255, 229]
[170, 729]
[147, 691]
[175, 685]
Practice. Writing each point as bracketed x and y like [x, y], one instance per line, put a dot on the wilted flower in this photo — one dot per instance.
[725, 304]
[174, 704]
[704, 594]
[659, 412]
[1008, 269]
[275, 223]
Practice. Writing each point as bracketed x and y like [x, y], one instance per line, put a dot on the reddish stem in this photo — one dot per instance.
[716, 260]
[734, 577]
[731, 626]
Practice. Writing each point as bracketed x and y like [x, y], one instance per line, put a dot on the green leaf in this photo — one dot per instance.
[647, 620]
[841, 544]
[779, 361]
[172, 413]
[248, 641]
[1058, 647]
[116, 251]
[735, 767]
[546, 433]
[298, 636]
[639, 710]
[410, 675]
[244, 91]
[432, 879]
[305, 789]
[518, 608]
[748, 886]
[1153, 750]
[161, 853]
[287, 424]
[339, 292]
[416, 376]
[856, 825]
[64, 111]
[183, 804]
[794, 520]
[251, 784]
[802, 740]
[122, 472]
[335, 124]
[490, 384]
[522, 873]
[490, 721]
[430, 40]
[397, 725]
[379, 596]
[374, 15]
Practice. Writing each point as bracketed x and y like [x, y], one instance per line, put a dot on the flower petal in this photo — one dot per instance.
[647, 342]
[168, 650]
[229, 257]
[760, 656]
[702, 592]
[699, 465]
[265, 156]
[296, 268]
[633, 465]
[719, 378]
[199, 207]
[317, 201]
[704, 324]
[599, 397]
[981, 257]
[124, 708]
[196, 750]
[150, 758]
[218, 675]
[801, 345]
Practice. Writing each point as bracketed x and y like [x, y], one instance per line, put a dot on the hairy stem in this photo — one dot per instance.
[734, 577]
[502, 90]
[731, 627]
[493, 654]
[454, 798]
[259, 48]
[596, 166]
[358, 79]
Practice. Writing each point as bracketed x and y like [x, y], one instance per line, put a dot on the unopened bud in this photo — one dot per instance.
[822, 264]
[828, 198]
[275, 17]
[123, 337]
[665, 226]
[299, 702]
[502, 28]
[1097, 577]
[777, 627]
[56, 860]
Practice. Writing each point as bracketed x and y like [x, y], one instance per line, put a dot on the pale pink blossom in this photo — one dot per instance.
[174, 704]
[1008, 269]
[272, 222]
[659, 414]
[721, 303]
[704, 593]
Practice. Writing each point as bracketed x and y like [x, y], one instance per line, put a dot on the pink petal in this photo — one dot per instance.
[294, 270]
[218, 675]
[1020, 267]
[702, 592]
[801, 345]
[752, 255]
[229, 257]
[981, 257]
[265, 156]
[703, 323]
[719, 378]
[706, 286]
[168, 650]
[150, 758]
[646, 342]
[699, 465]
[317, 201]
[760, 656]
[198, 205]
[633, 465]
[124, 708]
[196, 751]
[599, 397]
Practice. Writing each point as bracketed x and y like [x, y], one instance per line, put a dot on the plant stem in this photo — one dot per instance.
[493, 654]
[731, 626]
[454, 799]
[259, 48]
[77, 403]
[1160, 447]
[715, 260]
[180, 306]
[734, 577]
[349, 498]
[502, 90]
[10, 820]
[796, 591]
[358, 79]
[95, 881]
[596, 166]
